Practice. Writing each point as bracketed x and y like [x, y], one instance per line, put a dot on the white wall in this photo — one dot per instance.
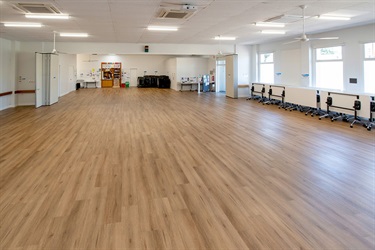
[67, 84]
[18, 60]
[148, 63]
[212, 65]
[352, 41]
[25, 78]
[129, 49]
[301, 57]
[254, 49]
[290, 75]
[172, 71]
[244, 60]
[189, 66]
[192, 67]
[88, 66]
[25, 71]
[231, 78]
[244, 66]
[7, 72]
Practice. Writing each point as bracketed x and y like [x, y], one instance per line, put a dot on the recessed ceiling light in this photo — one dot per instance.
[162, 28]
[327, 17]
[226, 38]
[46, 16]
[27, 25]
[277, 32]
[74, 34]
[276, 25]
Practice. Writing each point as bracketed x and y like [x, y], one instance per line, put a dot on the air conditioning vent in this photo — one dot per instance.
[37, 8]
[285, 19]
[179, 15]
[175, 14]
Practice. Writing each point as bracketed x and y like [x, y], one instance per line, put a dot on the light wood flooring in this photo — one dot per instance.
[160, 169]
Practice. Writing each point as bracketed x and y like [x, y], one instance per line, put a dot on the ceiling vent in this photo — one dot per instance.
[285, 19]
[37, 8]
[175, 14]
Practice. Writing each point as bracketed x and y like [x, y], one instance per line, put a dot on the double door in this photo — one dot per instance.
[46, 80]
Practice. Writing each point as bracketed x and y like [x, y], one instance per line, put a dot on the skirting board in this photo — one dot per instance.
[7, 107]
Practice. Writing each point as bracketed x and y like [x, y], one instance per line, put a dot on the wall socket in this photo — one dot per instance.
[353, 80]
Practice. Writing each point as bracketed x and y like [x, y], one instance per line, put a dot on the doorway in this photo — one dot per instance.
[220, 75]
[47, 79]
[72, 78]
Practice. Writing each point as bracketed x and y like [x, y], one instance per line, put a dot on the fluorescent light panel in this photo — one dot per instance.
[275, 25]
[161, 28]
[327, 17]
[277, 32]
[26, 25]
[225, 38]
[74, 34]
[46, 16]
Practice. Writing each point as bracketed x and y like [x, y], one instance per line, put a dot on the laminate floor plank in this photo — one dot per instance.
[160, 169]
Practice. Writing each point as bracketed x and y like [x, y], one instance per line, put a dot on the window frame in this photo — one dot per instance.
[328, 60]
[364, 51]
[263, 63]
[366, 59]
[316, 61]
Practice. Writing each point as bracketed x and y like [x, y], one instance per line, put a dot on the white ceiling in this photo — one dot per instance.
[125, 21]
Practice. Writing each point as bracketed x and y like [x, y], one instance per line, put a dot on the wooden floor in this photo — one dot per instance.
[160, 169]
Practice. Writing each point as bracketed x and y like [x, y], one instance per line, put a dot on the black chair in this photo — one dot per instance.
[163, 82]
[357, 107]
[253, 93]
[317, 110]
[328, 113]
[140, 82]
[371, 121]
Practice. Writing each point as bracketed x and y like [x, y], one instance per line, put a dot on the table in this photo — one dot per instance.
[191, 85]
[302, 96]
[90, 82]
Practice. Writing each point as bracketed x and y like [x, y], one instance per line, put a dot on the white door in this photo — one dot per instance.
[72, 78]
[38, 80]
[133, 77]
[59, 80]
[220, 75]
[54, 79]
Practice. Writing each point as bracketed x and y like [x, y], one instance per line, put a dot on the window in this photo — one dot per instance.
[369, 66]
[329, 68]
[266, 71]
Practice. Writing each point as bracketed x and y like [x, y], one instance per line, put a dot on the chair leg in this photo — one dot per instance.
[354, 121]
[334, 118]
[324, 116]
[369, 125]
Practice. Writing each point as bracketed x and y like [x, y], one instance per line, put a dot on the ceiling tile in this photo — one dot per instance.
[126, 20]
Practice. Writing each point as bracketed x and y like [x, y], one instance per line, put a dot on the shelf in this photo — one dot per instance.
[111, 74]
